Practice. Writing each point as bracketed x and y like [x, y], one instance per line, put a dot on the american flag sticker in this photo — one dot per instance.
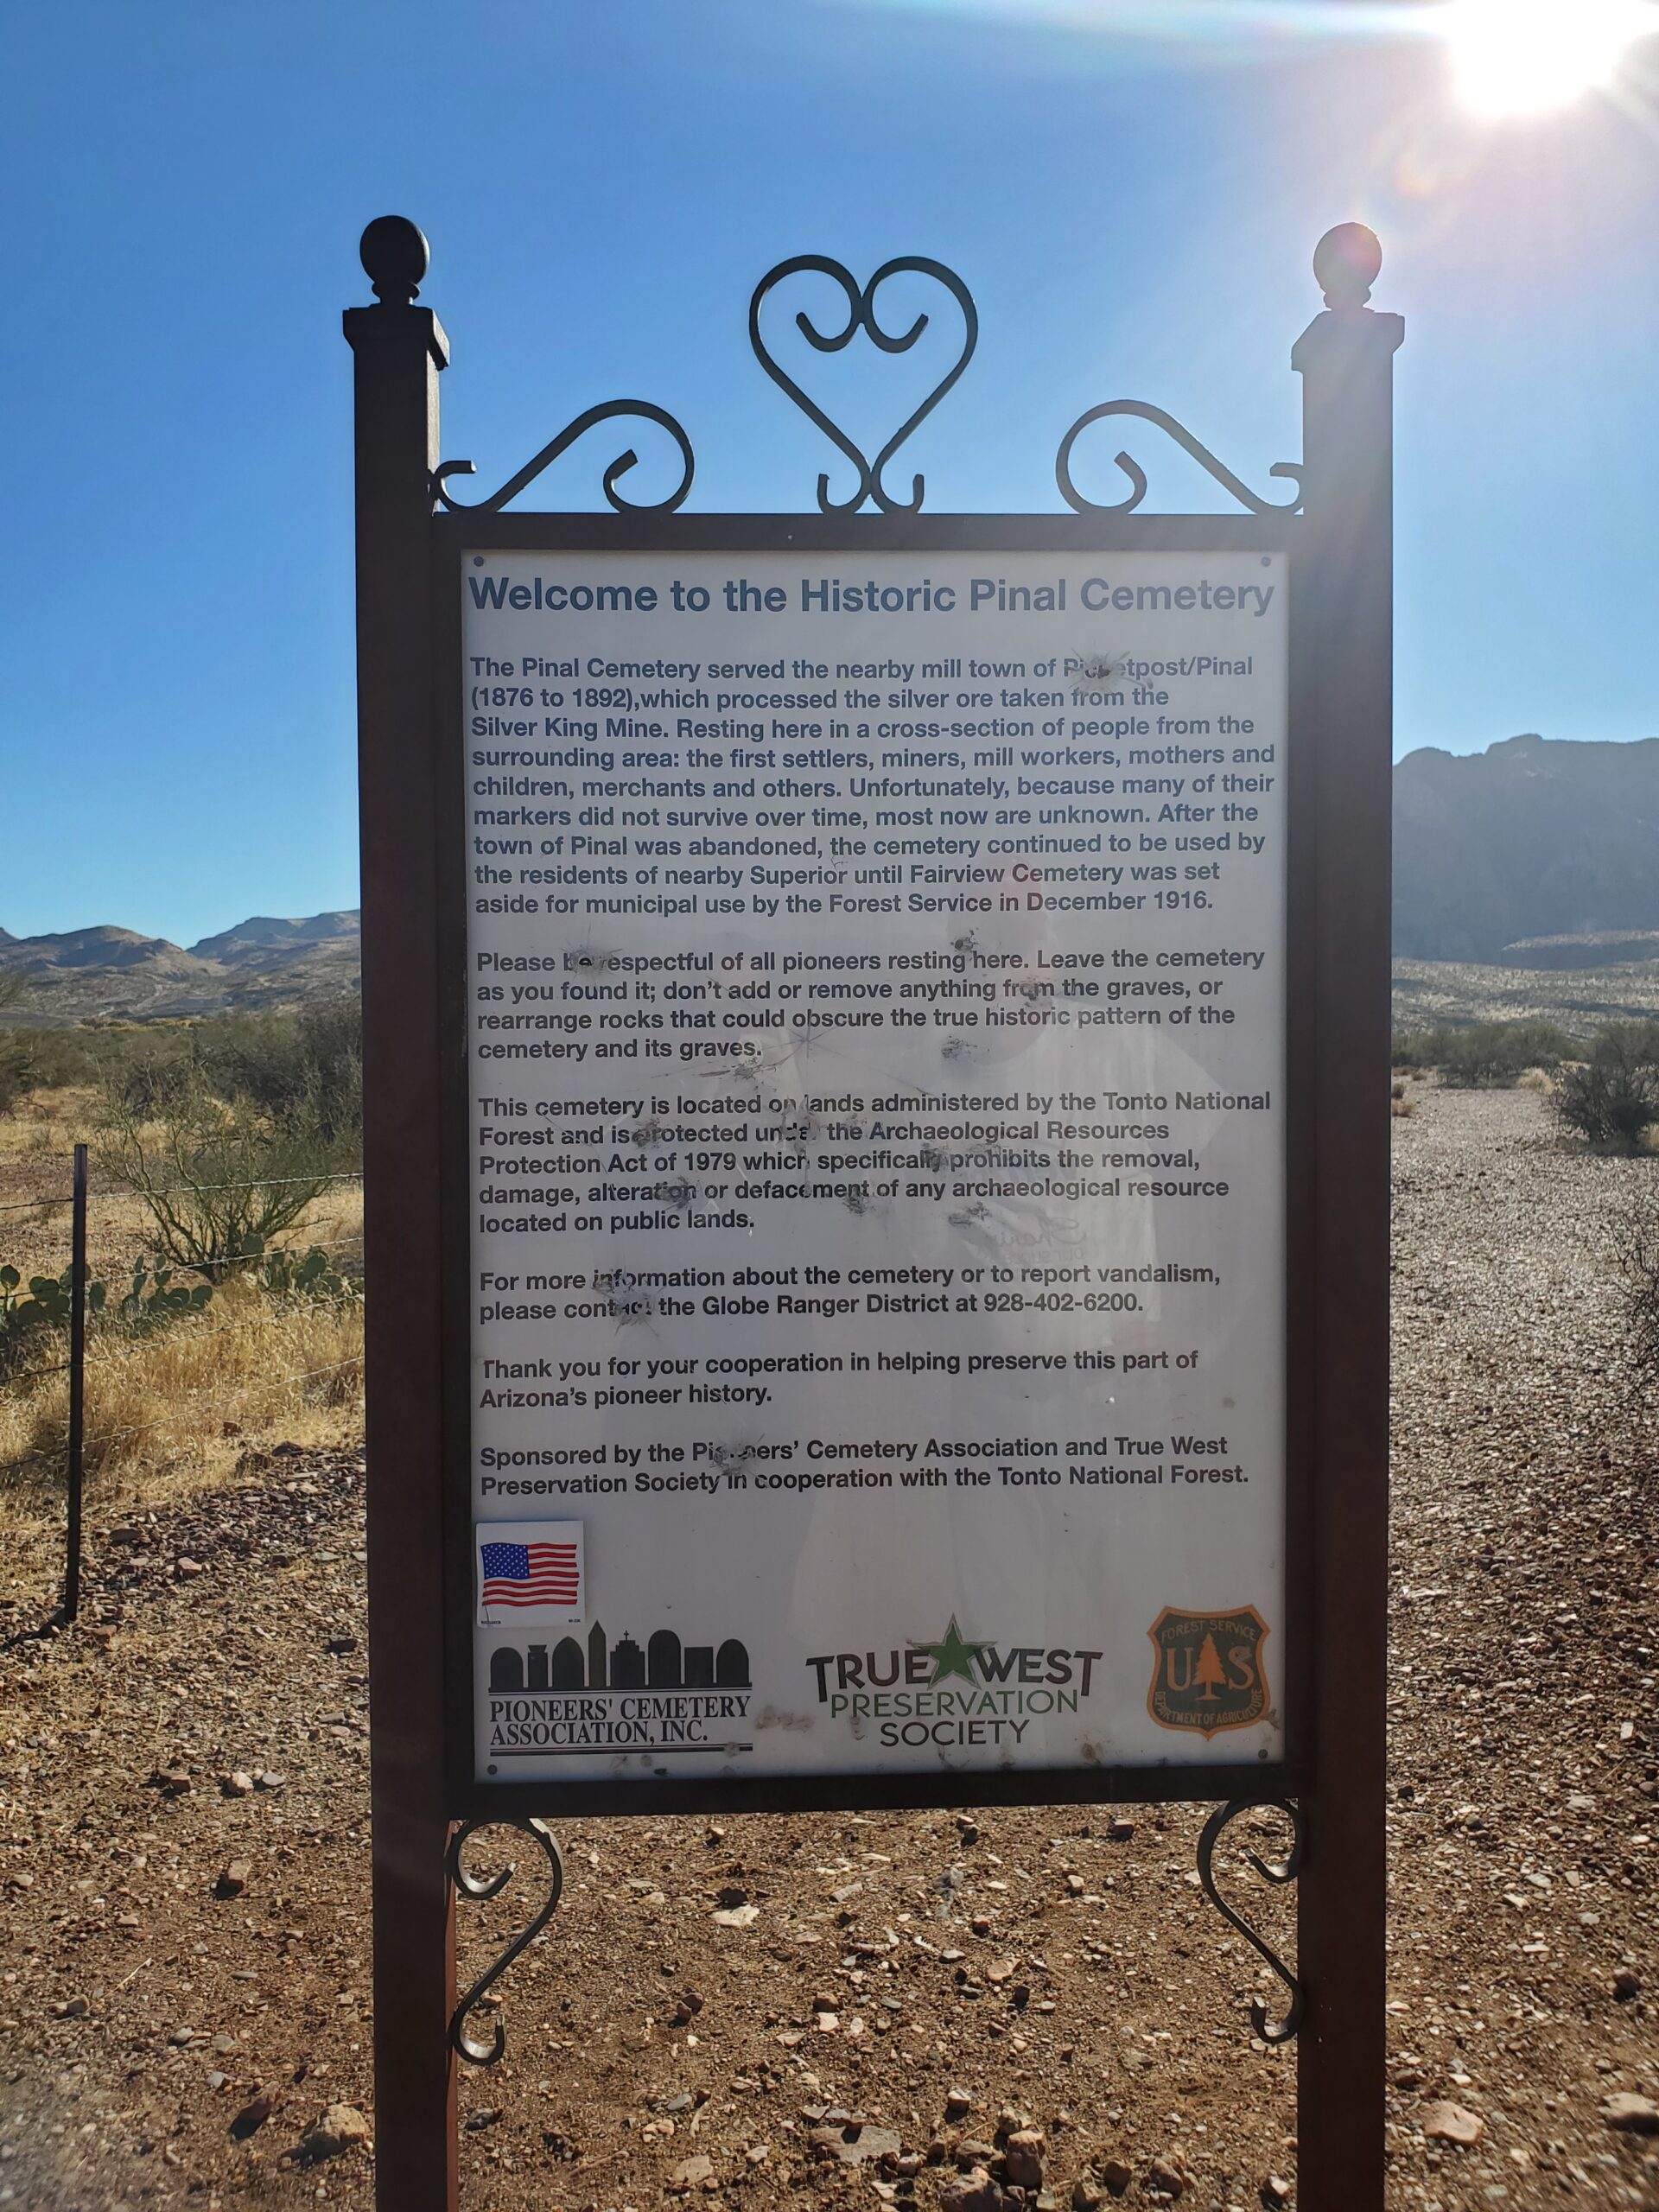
[528, 1572]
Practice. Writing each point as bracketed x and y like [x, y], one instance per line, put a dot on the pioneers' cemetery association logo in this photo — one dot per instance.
[953, 1694]
[1209, 1674]
[575, 1699]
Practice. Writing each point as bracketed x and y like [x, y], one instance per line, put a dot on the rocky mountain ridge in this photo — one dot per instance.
[1533, 839]
[113, 973]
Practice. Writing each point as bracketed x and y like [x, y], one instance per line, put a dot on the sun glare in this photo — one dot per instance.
[1519, 57]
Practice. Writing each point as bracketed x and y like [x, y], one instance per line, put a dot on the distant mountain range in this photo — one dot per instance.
[1537, 853]
[114, 974]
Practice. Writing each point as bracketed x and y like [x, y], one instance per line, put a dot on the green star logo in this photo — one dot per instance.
[953, 1654]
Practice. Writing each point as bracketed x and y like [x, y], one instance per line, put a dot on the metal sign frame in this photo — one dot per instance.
[412, 535]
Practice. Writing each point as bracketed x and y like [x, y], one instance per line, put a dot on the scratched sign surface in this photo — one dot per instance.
[876, 983]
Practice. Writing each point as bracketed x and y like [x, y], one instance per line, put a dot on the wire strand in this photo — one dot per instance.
[186, 1190]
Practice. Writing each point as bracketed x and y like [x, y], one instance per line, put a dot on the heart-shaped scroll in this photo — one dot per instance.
[861, 315]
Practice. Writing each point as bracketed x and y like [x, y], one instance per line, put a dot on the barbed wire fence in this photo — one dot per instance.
[79, 1273]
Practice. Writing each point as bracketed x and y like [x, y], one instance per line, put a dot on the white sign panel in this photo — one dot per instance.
[876, 969]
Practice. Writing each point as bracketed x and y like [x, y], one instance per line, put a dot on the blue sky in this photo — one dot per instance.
[1131, 192]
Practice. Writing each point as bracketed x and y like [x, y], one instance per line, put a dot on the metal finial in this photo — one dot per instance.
[1345, 262]
[394, 253]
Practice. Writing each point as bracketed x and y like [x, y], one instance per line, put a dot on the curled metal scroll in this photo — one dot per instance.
[567, 437]
[861, 315]
[488, 2054]
[1183, 438]
[1269, 2031]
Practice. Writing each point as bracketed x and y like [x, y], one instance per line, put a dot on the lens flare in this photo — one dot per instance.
[1521, 57]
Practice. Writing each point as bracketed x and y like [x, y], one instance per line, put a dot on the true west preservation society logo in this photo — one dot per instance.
[953, 1694]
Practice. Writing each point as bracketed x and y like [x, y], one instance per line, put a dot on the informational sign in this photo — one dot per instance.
[876, 979]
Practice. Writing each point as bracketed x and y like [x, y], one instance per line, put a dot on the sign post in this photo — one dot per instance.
[875, 1032]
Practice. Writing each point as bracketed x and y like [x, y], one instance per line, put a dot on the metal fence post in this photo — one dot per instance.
[1343, 604]
[77, 1382]
[398, 350]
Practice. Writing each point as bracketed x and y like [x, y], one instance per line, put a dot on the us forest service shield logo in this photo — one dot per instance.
[1208, 1672]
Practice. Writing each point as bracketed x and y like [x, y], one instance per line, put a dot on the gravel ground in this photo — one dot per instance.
[179, 1954]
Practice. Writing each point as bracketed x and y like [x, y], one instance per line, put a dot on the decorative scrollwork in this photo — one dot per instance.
[567, 437]
[488, 2054]
[1183, 438]
[861, 315]
[1269, 2031]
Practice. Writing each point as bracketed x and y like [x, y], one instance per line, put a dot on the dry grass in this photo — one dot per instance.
[175, 1412]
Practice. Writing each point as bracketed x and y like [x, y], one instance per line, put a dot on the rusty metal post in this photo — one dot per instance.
[77, 1384]
[398, 350]
[1342, 601]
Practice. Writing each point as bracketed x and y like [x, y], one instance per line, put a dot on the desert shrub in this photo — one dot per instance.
[219, 1180]
[1611, 1099]
[304, 1070]
[301, 1071]
[1494, 1055]
[1416, 1050]
[1636, 1251]
[1483, 1055]
[17, 1053]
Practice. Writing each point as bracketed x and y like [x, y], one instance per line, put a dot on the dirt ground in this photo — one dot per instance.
[173, 1946]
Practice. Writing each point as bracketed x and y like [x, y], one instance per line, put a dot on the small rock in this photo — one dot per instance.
[973, 2191]
[1450, 2123]
[268, 1778]
[172, 1782]
[957, 2104]
[967, 1829]
[1086, 2195]
[185, 1569]
[740, 1915]
[1275, 2191]
[252, 2116]
[1635, 2115]
[339, 2128]
[1120, 1830]
[1164, 2175]
[1626, 1985]
[1022, 2159]
[731, 1896]
[853, 2144]
[1001, 1970]
[1076, 1885]
[692, 2173]
[233, 1879]
[72, 2008]
[340, 1645]
[1116, 2176]
[237, 1785]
